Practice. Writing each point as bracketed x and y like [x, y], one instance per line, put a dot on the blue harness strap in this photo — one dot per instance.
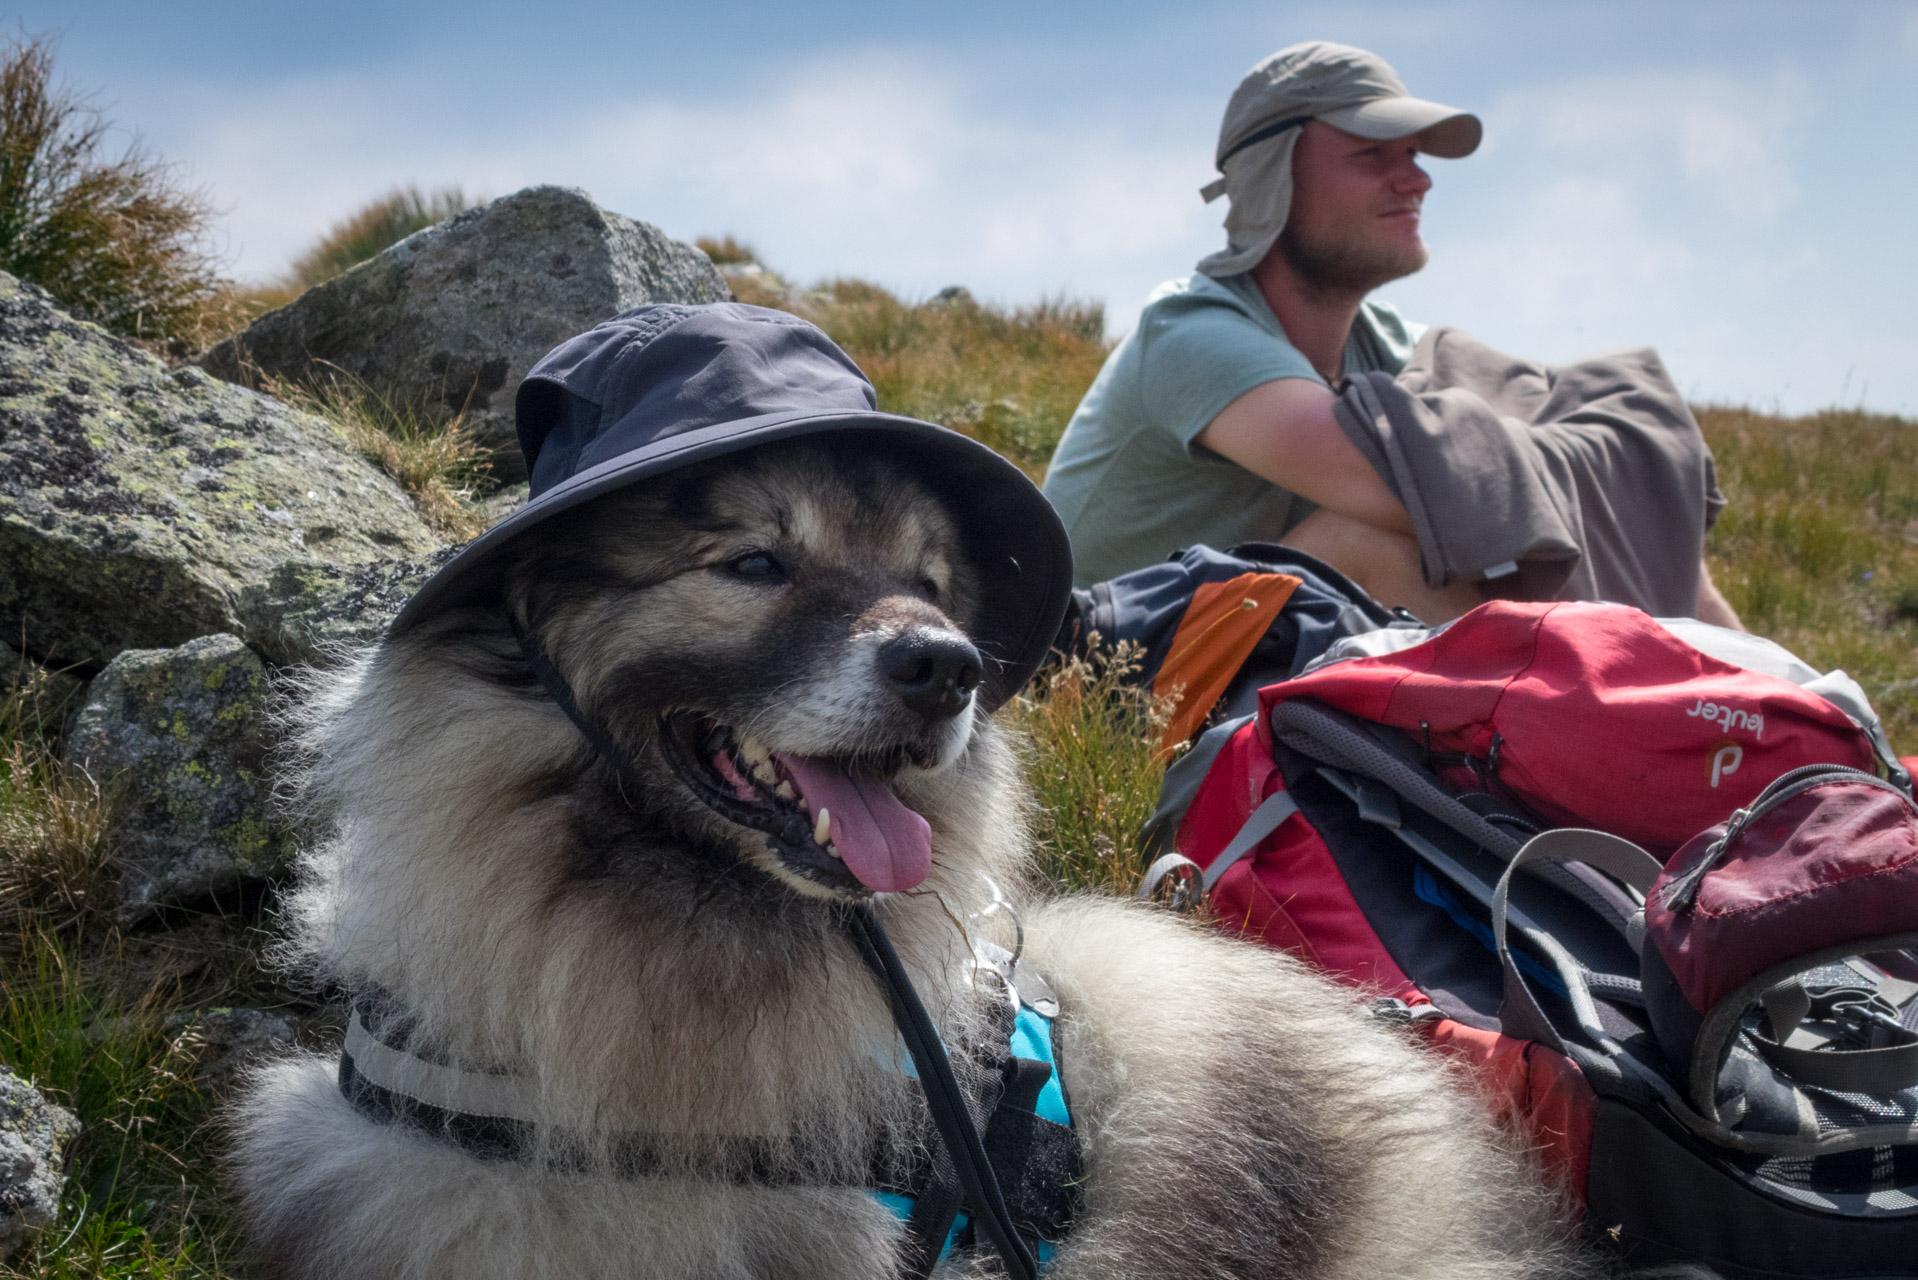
[1031, 1146]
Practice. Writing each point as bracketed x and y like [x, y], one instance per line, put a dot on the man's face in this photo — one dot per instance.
[1354, 222]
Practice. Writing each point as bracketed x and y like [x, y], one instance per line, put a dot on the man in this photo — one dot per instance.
[1212, 422]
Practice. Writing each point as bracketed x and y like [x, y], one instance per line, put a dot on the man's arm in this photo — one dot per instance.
[1284, 431]
[1712, 605]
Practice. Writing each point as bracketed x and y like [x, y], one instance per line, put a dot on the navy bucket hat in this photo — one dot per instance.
[661, 387]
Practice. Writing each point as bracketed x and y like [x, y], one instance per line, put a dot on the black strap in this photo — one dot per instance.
[1885, 1064]
[562, 693]
[1252, 139]
[944, 1098]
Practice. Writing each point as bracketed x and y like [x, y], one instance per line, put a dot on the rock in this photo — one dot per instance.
[311, 612]
[184, 736]
[452, 317]
[137, 502]
[33, 1140]
[226, 1040]
[504, 502]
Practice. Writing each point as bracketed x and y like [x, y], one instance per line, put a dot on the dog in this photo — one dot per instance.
[779, 644]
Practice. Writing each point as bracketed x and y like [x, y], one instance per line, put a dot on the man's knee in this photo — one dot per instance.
[1385, 563]
[1359, 550]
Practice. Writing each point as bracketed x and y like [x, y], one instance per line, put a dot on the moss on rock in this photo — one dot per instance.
[185, 736]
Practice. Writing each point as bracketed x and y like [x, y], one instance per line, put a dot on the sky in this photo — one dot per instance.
[1732, 183]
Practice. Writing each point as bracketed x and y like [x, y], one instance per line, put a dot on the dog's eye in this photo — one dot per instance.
[929, 589]
[757, 566]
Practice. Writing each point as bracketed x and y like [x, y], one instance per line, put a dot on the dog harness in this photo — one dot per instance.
[1018, 1107]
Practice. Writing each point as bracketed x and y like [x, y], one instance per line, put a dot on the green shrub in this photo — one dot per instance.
[121, 240]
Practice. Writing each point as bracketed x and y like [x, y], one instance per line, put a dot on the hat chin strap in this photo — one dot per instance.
[951, 1115]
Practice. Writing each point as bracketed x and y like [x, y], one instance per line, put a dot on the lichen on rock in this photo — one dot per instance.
[184, 738]
[34, 1134]
[137, 502]
[312, 612]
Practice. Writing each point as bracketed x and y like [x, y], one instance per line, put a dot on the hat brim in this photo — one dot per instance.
[1447, 132]
[1011, 532]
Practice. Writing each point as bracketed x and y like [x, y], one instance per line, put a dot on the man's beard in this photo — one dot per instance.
[1331, 264]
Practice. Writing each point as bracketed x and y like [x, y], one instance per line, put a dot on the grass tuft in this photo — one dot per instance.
[725, 251]
[142, 1197]
[377, 226]
[1093, 761]
[123, 240]
[57, 868]
[442, 467]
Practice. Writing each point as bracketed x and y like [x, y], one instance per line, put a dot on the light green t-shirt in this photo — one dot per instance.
[1127, 479]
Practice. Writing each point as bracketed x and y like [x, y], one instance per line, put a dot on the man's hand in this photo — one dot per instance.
[1284, 432]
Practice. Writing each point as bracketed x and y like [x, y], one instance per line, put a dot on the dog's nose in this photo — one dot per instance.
[933, 674]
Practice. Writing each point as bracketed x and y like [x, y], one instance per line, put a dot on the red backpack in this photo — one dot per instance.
[1369, 818]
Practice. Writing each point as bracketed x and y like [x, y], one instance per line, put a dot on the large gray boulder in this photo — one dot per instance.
[34, 1134]
[452, 317]
[137, 502]
[183, 737]
[317, 614]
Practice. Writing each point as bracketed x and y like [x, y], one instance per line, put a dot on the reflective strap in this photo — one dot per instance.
[472, 1093]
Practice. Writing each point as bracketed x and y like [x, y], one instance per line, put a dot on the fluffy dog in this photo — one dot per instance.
[778, 643]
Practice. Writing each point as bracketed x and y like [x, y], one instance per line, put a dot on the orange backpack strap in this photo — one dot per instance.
[1215, 637]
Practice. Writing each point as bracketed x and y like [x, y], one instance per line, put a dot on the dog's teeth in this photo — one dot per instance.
[755, 754]
[785, 791]
[833, 849]
[822, 826]
[763, 770]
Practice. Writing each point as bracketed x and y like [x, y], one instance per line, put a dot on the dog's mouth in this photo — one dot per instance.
[833, 820]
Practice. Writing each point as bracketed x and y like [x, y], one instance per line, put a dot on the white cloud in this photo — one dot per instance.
[866, 163]
[1731, 139]
[1652, 207]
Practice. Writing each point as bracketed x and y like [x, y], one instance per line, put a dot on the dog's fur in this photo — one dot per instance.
[646, 965]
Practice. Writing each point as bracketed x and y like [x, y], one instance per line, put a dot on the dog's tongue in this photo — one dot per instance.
[886, 845]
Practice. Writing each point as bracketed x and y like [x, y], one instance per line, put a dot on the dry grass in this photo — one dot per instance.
[1009, 377]
[441, 466]
[724, 250]
[56, 855]
[120, 239]
[375, 227]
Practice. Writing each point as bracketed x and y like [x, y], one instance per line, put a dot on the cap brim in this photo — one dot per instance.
[1447, 132]
[1014, 536]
